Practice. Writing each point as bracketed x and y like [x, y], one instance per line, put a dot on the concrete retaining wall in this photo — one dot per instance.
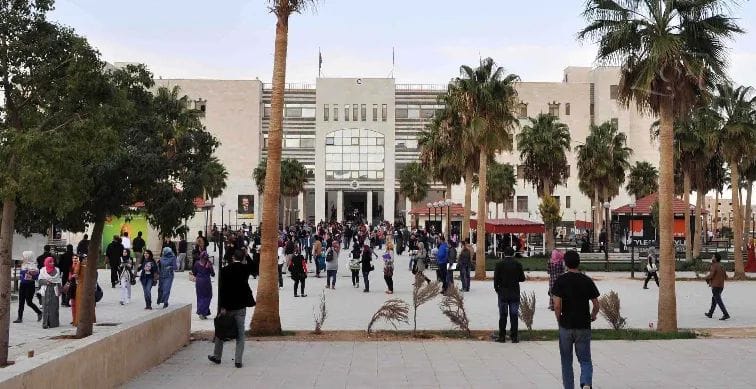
[107, 359]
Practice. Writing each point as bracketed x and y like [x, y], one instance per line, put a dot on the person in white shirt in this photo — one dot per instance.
[126, 241]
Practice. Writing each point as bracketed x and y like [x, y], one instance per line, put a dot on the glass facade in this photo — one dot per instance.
[352, 154]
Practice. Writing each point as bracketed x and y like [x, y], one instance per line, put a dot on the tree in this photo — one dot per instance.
[266, 319]
[670, 52]
[52, 90]
[501, 184]
[543, 147]
[293, 179]
[413, 183]
[550, 214]
[642, 179]
[484, 98]
[738, 108]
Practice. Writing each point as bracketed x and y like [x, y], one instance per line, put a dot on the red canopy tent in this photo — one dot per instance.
[511, 226]
[583, 225]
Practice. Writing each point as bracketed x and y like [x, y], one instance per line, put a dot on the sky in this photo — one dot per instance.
[233, 39]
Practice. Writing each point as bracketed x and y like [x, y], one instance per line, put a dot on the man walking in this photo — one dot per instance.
[332, 264]
[571, 293]
[716, 279]
[507, 277]
[442, 260]
[139, 245]
[464, 264]
[114, 252]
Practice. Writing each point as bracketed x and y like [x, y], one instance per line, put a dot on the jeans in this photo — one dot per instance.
[412, 262]
[280, 275]
[26, 297]
[299, 283]
[355, 277]
[147, 288]
[365, 277]
[238, 315]
[181, 261]
[464, 276]
[581, 338]
[331, 275]
[441, 273]
[716, 299]
[511, 307]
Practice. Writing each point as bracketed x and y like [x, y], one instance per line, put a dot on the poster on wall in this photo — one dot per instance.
[118, 225]
[246, 206]
[636, 228]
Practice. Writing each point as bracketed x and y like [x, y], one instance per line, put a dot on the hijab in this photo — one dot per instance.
[49, 265]
[28, 257]
[168, 253]
[557, 257]
[203, 258]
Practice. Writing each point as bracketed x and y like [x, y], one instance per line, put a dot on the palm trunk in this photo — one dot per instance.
[608, 221]
[738, 226]
[747, 213]
[266, 319]
[7, 229]
[686, 215]
[596, 215]
[468, 204]
[480, 231]
[698, 237]
[86, 307]
[716, 210]
[549, 235]
[667, 307]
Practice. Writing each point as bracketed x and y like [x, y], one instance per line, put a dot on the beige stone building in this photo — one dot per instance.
[724, 217]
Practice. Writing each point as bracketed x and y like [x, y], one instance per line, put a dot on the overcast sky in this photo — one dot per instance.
[233, 39]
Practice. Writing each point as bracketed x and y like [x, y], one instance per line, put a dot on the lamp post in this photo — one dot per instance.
[607, 224]
[593, 224]
[632, 241]
[221, 236]
[427, 223]
[448, 219]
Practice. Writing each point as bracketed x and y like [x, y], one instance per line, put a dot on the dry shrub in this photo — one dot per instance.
[422, 294]
[527, 309]
[320, 315]
[610, 310]
[453, 306]
[392, 311]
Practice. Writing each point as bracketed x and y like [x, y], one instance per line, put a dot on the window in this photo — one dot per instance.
[384, 112]
[404, 143]
[330, 141]
[567, 109]
[293, 112]
[335, 112]
[509, 204]
[568, 202]
[615, 123]
[266, 110]
[523, 111]
[592, 109]
[265, 142]
[354, 154]
[375, 112]
[521, 171]
[613, 92]
[427, 113]
[355, 109]
[557, 199]
[522, 203]
[554, 109]
[326, 111]
[363, 112]
[401, 113]
[346, 112]
[567, 172]
[296, 141]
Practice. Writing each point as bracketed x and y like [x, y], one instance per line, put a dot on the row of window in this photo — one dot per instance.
[414, 111]
[293, 110]
[522, 203]
[554, 109]
[354, 112]
[521, 171]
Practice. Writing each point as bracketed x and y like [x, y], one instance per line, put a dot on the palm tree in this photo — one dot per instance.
[738, 108]
[670, 51]
[413, 183]
[438, 152]
[213, 181]
[485, 98]
[749, 176]
[266, 319]
[293, 179]
[642, 180]
[501, 184]
[543, 147]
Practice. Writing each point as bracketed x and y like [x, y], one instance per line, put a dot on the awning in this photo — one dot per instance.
[643, 207]
[511, 226]
[583, 225]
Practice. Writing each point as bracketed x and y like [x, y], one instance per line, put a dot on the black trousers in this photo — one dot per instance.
[280, 276]
[355, 277]
[301, 284]
[648, 278]
[114, 273]
[26, 297]
[389, 282]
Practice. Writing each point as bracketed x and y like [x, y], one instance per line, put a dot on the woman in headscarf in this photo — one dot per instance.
[420, 261]
[202, 271]
[297, 266]
[73, 280]
[29, 273]
[388, 267]
[125, 276]
[555, 268]
[148, 276]
[50, 284]
[367, 266]
[167, 267]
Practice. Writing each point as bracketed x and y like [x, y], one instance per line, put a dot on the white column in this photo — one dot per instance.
[407, 207]
[340, 205]
[320, 202]
[370, 208]
[300, 205]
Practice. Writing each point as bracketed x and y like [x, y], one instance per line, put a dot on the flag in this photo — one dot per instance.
[393, 58]
[320, 62]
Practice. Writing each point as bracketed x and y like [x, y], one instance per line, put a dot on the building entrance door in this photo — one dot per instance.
[355, 206]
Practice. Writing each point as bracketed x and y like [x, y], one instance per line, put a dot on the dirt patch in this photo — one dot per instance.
[730, 333]
[64, 337]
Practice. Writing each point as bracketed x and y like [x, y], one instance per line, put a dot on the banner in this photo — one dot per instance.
[246, 207]
[636, 228]
[132, 224]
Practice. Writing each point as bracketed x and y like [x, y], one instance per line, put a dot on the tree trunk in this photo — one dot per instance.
[468, 204]
[480, 231]
[7, 229]
[86, 307]
[686, 215]
[266, 319]
[549, 235]
[747, 214]
[596, 215]
[737, 249]
[698, 237]
[716, 210]
[667, 307]
[608, 221]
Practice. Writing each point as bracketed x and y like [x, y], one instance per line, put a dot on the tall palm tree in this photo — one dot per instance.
[501, 184]
[670, 52]
[738, 137]
[266, 319]
[642, 179]
[413, 184]
[293, 180]
[439, 151]
[485, 98]
[543, 147]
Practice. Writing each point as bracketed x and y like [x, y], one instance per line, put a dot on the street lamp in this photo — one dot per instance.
[427, 224]
[632, 241]
[448, 218]
[221, 236]
[607, 224]
[593, 224]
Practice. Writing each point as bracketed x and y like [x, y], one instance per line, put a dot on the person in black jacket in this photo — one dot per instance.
[113, 252]
[507, 277]
[234, 297]
[83, 247]
[64, 264]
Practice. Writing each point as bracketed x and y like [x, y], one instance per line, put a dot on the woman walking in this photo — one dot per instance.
[202, 271]
[297, 266]
[50, 284]
[29, 273]
[420, 261]
[167, 267]
[73, 280]
[125, 276]
[555, 268]
[367, 267]
[355, 265]
[388, 267]
[148, 276]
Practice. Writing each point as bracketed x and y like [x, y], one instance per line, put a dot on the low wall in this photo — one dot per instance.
[110, 357]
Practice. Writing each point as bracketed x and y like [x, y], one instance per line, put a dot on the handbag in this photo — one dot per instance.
[225, 327]
[98, 294]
